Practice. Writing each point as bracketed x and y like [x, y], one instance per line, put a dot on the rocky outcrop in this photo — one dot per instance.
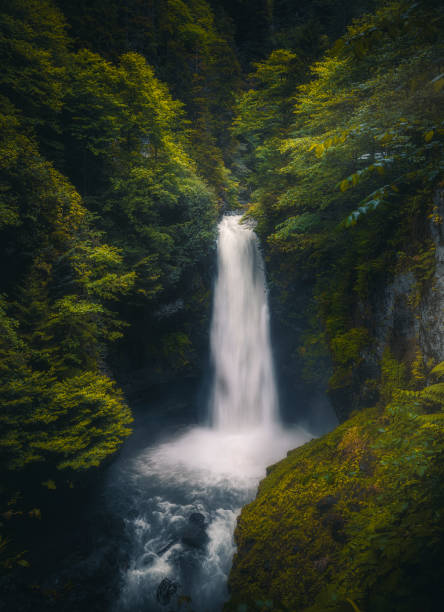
[404, 324]
[431, 310]
[350, 521]
[406, 317]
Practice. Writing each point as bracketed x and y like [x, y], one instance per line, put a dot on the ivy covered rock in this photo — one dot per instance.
[350, 521]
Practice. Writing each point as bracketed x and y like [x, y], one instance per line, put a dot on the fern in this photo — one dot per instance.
[438, 371]
[434, 394]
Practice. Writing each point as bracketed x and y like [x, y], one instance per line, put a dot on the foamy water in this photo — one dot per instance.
[202, 471]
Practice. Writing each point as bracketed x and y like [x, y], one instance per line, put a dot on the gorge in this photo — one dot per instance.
[221, 305]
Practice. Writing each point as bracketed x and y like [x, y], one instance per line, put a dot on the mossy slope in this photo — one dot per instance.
[353, 520]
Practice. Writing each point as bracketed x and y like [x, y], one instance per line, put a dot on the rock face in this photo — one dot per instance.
[405, 316]
[431, 311]
[406, 325]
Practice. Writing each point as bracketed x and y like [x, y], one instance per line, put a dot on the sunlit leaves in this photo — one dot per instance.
[49, 484]
[89, 420]
[438, 371]
[364, 153]
[297, 225]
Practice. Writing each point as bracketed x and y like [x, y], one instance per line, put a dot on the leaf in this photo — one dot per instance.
[353, 605]
[49, 484]
[23, 563]
[428, 135]
[438, 83]
[438, 371]
[386, 137]
[344, 185]
[380, 169]
[319, 150]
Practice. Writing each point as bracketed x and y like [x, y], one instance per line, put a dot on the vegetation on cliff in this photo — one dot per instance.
[354, 520]
[341, 173]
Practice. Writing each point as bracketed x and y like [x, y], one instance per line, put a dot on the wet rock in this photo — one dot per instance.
[166, 548]
[166, 591]
[196, 518]
[194, 533]
[148, 559]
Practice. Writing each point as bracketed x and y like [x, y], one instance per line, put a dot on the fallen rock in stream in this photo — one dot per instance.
[166, 591]
[194, 533]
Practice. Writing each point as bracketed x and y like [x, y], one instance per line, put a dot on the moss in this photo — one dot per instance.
[351, 519]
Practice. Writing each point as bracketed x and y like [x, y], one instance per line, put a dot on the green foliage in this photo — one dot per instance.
[355, 516]
[50, 342]
[105, 227]
[438, 371]
[393, 375]
[342, 170]
[104, 221]
[190, 52]
[263, 113]
[347, 347]
[34, 52]
[129, 156]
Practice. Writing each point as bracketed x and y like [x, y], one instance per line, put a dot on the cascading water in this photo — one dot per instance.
[182, 496]
[244, 391]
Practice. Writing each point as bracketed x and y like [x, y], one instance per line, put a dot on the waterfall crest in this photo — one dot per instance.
[244, 391]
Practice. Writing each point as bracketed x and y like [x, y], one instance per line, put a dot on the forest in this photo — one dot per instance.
[127, 131]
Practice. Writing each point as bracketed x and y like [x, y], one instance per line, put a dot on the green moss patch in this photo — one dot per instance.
[350, 521]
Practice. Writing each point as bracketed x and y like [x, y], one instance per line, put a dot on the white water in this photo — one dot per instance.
[212, 470]
[244, 392]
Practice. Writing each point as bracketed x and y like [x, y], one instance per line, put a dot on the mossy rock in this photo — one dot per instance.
[350, 521]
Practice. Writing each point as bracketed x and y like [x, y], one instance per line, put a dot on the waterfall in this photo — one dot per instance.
[244, 391]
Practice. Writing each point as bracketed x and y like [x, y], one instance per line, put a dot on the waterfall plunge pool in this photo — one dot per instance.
[182, 498]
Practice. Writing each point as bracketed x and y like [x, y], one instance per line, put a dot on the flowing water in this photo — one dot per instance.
[244, 393]
[183, 494]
